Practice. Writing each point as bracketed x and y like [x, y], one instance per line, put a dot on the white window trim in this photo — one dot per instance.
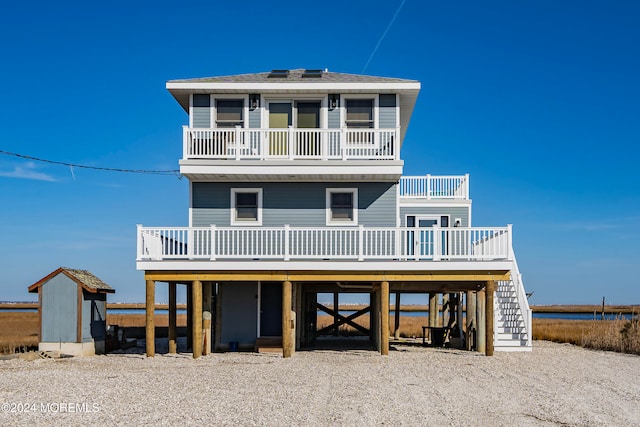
[329, 222]
[233, 220]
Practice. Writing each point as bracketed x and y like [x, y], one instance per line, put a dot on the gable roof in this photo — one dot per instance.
[84, 278]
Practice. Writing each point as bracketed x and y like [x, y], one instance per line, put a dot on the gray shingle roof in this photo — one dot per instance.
[295, 76]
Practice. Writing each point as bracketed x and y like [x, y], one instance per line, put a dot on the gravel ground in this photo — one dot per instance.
[555, 384]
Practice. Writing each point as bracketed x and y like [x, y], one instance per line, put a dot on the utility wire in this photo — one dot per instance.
[174, 172]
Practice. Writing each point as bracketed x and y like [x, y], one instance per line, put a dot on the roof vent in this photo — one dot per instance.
[279, 74]
[312, 73]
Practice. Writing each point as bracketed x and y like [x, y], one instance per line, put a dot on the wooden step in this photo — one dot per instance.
[269, 345]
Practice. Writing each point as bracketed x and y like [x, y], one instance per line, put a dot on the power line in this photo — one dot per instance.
[174, 172]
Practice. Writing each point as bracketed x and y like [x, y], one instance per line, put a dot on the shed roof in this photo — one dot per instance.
[84, 278]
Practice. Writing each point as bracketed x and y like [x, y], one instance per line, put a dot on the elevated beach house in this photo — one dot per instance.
[296, 189]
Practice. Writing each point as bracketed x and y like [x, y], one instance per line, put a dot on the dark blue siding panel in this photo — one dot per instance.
[239, 301]
[59, 309]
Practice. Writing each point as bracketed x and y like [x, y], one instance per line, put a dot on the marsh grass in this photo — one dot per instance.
[18, 332]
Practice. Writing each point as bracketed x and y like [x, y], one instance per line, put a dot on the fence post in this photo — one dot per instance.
[437, 243]
[286, 242]
[186, 143]
[140, 240]
[361, 243]
[324, 148]
[213, 242]
[343, 143]
[236, 139]
[509, 241]
[290, 136]
[466, 186]
[428, 185]
[190, 242]
[395, 146]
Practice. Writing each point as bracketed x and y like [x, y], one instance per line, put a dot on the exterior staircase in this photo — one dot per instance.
[512, 315]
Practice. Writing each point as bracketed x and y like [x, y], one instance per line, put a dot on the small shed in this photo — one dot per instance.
[72, 312]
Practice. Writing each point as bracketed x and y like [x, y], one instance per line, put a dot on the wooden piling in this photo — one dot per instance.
[471, 320]
[150, 306]
[384, 318]
[173, 347]
[445, 310]
[189, 317]
[196, 315]
[287, 337]
[481, 335]
[336, 308]
[489, 295]
[396, 323]
[433, 310]
[207, 303]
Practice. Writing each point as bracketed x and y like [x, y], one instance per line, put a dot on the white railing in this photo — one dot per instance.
[435, 187]
[322, 243]
[292, 144]
[521, 295]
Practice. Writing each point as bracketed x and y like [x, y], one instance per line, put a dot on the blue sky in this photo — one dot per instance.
[537, 100]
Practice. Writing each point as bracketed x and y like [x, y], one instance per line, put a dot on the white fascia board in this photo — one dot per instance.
[294, 86]
[334, 265]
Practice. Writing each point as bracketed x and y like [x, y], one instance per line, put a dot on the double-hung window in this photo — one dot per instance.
[246, 206]
[359, 113]
[229, 113]
[342, 206]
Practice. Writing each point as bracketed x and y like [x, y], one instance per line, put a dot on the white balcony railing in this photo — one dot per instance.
[322, 243]
[293, 144]
[435, 187]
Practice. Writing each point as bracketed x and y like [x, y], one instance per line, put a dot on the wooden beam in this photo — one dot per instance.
[433, 310]
[173, 346]
[384, 321]
[330, 276]
[196, 316]
[287, 326]
[207, 302]
[491, 289]
[189, 317]
[396, 323]
[150, 332]
[342, 319]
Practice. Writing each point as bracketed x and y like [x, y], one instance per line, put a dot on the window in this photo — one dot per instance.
[342, 206]
[229, 113]
[359, 113]
[246, 206]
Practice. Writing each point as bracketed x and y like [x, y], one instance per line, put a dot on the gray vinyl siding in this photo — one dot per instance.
[296, 204]
[94, 319]
[239, 306]
[59, 309]
[254, 118]
[201, 111]
[387, 111]
[334, 116]
[461, 212]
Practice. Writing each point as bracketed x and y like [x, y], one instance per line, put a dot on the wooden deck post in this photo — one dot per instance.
[433, 310]
[384, 318]
[491, 289]
[445, 309]
[481, 335]
[287, 327]
[150, 307]
[173, 347]
[196, 316]
[396, 323]
[207, 302]
[336, 308]
[189, 317]
[471, 320]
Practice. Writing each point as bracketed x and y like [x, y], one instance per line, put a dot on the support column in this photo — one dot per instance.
[336, 305]
[471, 320]
[150, 306]
[189, 317]
[396, 325]
[384, 318]
[287, 327]
[433, 311]
[173, 347]
[207, 302]
[445, 310]
[481, 319]
[196, 316]
[491, 289]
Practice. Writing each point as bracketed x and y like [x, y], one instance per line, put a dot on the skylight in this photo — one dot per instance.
[280, 74]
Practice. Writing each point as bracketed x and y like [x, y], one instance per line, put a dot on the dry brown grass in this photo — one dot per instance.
[18, 331]
[615, 335]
